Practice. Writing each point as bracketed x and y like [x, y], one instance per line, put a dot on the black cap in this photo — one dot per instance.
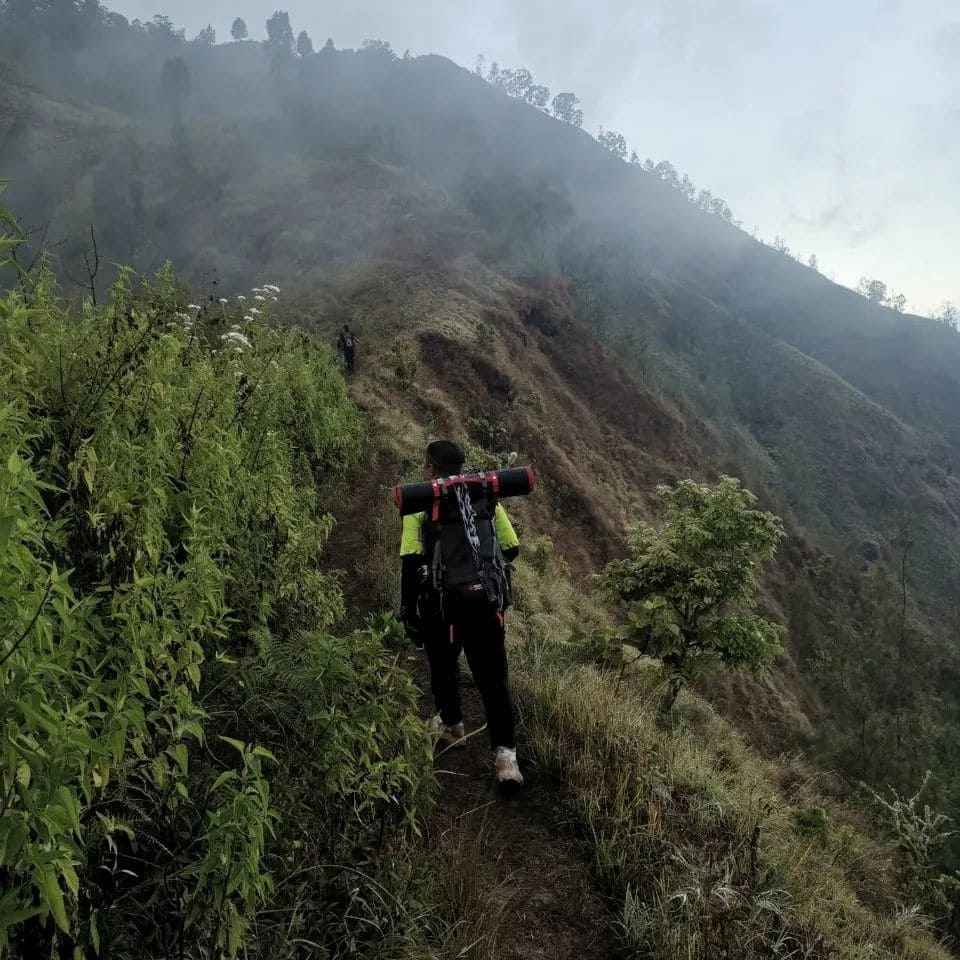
[446, 456]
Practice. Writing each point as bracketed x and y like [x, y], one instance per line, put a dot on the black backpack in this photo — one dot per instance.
[467, 569]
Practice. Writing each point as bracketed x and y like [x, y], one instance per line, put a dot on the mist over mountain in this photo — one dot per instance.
[515, 279]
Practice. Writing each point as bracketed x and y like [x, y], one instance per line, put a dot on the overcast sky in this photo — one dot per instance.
[833, 123]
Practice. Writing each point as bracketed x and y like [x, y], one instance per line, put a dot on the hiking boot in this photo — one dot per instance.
[507, 772]
[447, 734]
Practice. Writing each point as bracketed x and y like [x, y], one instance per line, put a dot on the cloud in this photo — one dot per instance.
[834, 124]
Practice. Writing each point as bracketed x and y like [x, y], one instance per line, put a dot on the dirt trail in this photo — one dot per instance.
[546, 902]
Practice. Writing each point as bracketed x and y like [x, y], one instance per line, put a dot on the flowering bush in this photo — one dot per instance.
[166, 664]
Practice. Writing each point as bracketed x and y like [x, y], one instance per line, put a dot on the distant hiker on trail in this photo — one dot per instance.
[434, 551]
[347, 345]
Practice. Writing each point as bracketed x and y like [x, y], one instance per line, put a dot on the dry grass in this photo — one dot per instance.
[688, 825]
[466, 895]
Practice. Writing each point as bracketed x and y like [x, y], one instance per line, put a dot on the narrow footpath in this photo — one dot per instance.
[541, 899]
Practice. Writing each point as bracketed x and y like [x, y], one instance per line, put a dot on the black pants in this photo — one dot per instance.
[482, 639]
[348, 360]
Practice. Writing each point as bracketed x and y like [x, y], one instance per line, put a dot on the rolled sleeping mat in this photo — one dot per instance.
[416, 497]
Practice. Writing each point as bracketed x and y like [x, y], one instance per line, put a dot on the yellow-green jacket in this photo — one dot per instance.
[413, 553]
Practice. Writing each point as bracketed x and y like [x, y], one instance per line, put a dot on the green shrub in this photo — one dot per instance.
[689, 587]
[168, 678]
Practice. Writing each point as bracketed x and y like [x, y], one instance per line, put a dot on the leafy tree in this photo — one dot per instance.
[279, 32]
[207, 36]
[721, 209]
[704, 199]
[304, 44]
[478, 67]
[239, 29]
[780, 245]
[666, 171]
[689, 586]
[615, 142]
[687, 187]
[518, 83]
[538, 96]
[874, 290]
[949, 316]
[813, 263]
[162, 28]
[897, 302]
[564, 107]
[380, 47]
[328, 47]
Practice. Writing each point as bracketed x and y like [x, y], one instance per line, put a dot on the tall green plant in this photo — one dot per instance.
[160, 530]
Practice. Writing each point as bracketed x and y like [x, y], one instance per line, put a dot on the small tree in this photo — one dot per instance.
[667, 172]
[615, 142]
[949, 316]
[813, 263]
[207, 36]
[304, 44]
[239, 29]
[279, 32]
[564, 106]
[378, 47]
[689, 586]
[874, 290]
[538, 96]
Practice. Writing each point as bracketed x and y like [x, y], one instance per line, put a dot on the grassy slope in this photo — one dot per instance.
[700, 846]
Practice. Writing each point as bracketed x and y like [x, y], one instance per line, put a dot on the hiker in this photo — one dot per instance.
[445, 623]
[347, 345]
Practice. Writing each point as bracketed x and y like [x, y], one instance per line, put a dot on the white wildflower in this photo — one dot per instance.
[275, 299]
[248, 318]
[224, 300]
[193, 306]
[272, 287]
[236, 339]
[241, 297]
[255, 311]
[184, 317]
[260, 296]
[234, 326]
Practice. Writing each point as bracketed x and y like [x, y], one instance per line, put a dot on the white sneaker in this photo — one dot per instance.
[507, 771]
[448, 735]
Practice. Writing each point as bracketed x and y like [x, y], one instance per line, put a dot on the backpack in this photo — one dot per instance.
[467, 570]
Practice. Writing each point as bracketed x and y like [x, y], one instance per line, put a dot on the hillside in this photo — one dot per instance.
[515, 284]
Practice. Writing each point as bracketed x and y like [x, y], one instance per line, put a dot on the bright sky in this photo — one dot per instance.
[833, 123]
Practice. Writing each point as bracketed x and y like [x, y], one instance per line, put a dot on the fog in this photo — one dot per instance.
[833, 125]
